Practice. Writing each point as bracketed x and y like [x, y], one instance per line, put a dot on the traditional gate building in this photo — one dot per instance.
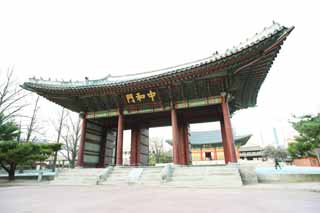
[205, 90]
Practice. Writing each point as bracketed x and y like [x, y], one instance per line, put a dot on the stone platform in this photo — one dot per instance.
[168, 176]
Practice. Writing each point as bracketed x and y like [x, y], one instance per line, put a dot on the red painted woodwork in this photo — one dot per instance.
[215, 157]
[135, 141]
[182, 145]
[227, 135]
[120, 139]
[224, 143]
[175, 135]
[186, 141]
[80, 161]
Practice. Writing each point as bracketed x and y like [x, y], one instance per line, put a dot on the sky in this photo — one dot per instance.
[74, 39]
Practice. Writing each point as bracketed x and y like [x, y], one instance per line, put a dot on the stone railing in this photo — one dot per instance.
[166, 173]
[135, 175]
[104, 175]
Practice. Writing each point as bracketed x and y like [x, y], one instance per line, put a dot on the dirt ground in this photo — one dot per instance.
[84, 199]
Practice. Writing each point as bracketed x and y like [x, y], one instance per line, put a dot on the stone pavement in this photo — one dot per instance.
[22, 182]
[95, 199]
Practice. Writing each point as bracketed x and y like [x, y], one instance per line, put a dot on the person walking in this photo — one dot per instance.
[277, 163]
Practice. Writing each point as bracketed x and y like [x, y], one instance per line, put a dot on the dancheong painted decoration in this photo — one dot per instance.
[204, 90]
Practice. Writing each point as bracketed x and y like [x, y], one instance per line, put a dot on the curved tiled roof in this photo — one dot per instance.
[111, 80]
[243, 69]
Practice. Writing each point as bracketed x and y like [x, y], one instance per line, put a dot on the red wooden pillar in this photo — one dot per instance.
[184, 152]
[224, 143]
[80, 161]
[186, 141]
[227, 135]
[135, 141]
[215, 157]
[182, 145]
[119, 139]
[175, 134]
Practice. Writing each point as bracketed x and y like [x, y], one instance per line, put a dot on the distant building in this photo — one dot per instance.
[253, 152]
[207, 145]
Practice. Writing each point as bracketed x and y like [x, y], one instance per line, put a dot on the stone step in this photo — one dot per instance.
[150, 183]
[115, 182]
[231, 182]
[190, 169]
[117, 179]
[117, 176]
[152, 172]
[205, 180]
[202, 185]
[227, 182]
[78, 176]
[186, 169]
[150, 178]
[117, 171]
[83, 170]
[205, 176]
[176, 174]
[188, 176]
[120, 173]
[74, 181]
[75, 177]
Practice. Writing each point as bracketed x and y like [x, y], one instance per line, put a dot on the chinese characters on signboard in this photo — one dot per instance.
[140, 97]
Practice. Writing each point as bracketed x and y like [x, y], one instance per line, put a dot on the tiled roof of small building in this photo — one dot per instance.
[212, 137]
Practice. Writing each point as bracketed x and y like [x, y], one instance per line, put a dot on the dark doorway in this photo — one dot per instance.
[208, 156]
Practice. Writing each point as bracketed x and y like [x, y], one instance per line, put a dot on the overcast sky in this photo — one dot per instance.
[73, 39]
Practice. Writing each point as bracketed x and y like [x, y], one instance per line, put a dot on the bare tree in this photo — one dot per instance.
[62, 118]
[71, 139]
[11, 96]
[156, 147]
[32, 127]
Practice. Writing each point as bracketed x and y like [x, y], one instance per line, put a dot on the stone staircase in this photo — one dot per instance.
[175, 176]
[151, 176]
[134, 175]
[77, 176]
[118, 176]
[205, 176]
